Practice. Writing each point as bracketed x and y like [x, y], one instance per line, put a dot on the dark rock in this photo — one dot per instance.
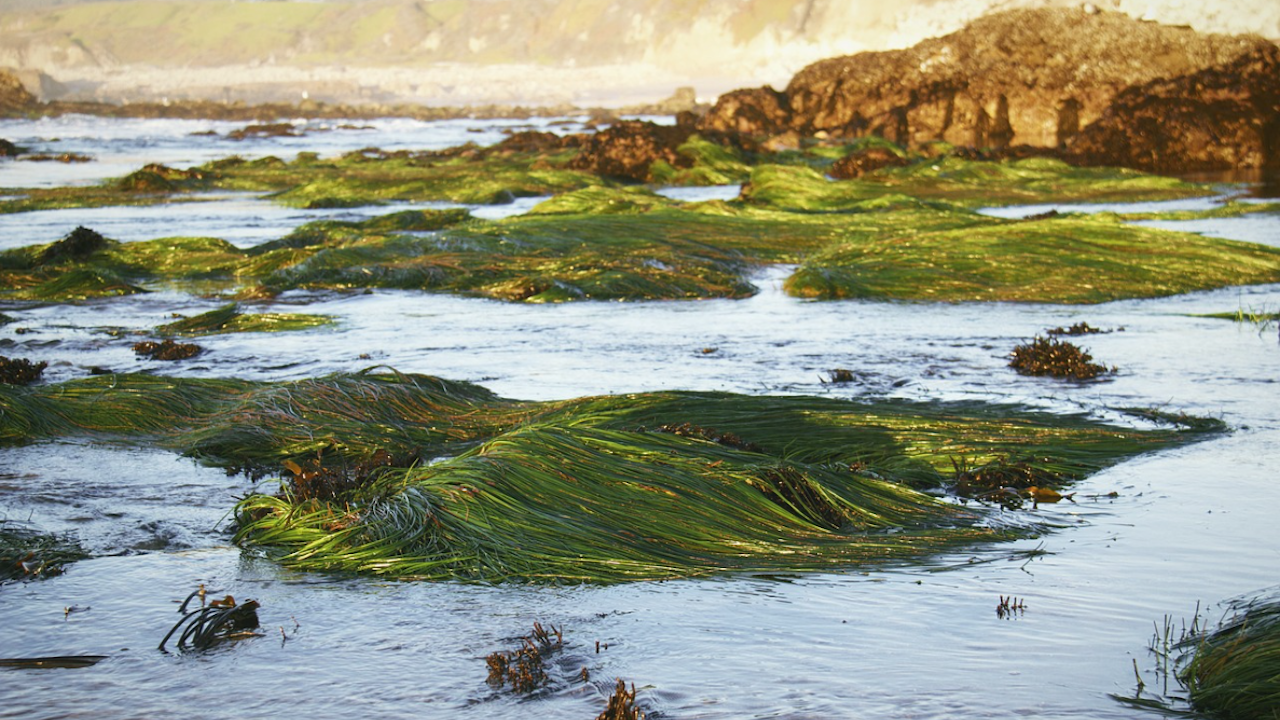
[264, 130]
[1216, 119]
[860, 162]
[78, 244]
[534, 141]
[627, 149]
[753, 111]
[8, 149]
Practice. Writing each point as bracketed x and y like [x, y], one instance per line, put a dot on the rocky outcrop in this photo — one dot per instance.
[627, 149]
[1223, 117]
[14, 97]
[1036, 78]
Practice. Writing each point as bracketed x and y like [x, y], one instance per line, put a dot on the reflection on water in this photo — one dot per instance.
[1186, 525]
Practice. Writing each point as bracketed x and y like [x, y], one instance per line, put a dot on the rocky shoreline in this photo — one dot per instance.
[1080, 84]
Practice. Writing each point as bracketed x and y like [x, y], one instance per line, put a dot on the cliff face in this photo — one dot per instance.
[1074, 79]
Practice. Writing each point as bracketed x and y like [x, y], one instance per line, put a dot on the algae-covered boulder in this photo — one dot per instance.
[77, 245]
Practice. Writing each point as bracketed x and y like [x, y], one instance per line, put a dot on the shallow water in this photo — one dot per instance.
[1188, 525]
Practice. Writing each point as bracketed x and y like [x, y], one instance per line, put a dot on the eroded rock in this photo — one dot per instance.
[1038, 78]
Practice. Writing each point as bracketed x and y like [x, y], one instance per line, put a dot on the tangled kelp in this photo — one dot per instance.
[1057, 358]
[459, 483]
[20, 371]
[167, 350]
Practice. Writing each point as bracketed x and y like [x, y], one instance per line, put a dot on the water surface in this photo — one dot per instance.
[1186, 526]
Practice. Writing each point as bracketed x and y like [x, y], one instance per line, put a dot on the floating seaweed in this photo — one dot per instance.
[28, 554]
[1080, 328]
[622, 704]
[1010, 607]
[168, 350]
[524, 669]
[63, 662]
[20, 371]
[1011, 482]
[219, 621]
[1057, 358]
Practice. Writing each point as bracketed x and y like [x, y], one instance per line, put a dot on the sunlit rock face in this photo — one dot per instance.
[1040, 78]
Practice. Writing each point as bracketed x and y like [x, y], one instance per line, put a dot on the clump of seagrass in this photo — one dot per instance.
[166, 350]
[78, 244]
[1055, 358]
[1010, 483]
[524, 669]
[20, 371]
[727, 439]
[26, 554]
[622, 704]
[1233, 671]
[217, 622]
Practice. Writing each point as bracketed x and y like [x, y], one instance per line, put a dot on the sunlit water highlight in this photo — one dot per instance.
[1193, 524]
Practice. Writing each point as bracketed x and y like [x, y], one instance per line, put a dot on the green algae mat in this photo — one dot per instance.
[900, 233]
[413, 476]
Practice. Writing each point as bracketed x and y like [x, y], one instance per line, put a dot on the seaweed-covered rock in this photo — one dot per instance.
[77, 245]
[283, 129]
[865, 160]
[627, 149]
[8, 149]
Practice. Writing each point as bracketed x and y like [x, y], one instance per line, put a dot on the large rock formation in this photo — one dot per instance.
[1053, 78]
[14, 97]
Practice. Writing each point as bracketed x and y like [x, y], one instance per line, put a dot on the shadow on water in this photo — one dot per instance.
[1259, 182]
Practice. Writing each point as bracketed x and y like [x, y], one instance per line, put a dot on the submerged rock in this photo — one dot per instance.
[1040, 78]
